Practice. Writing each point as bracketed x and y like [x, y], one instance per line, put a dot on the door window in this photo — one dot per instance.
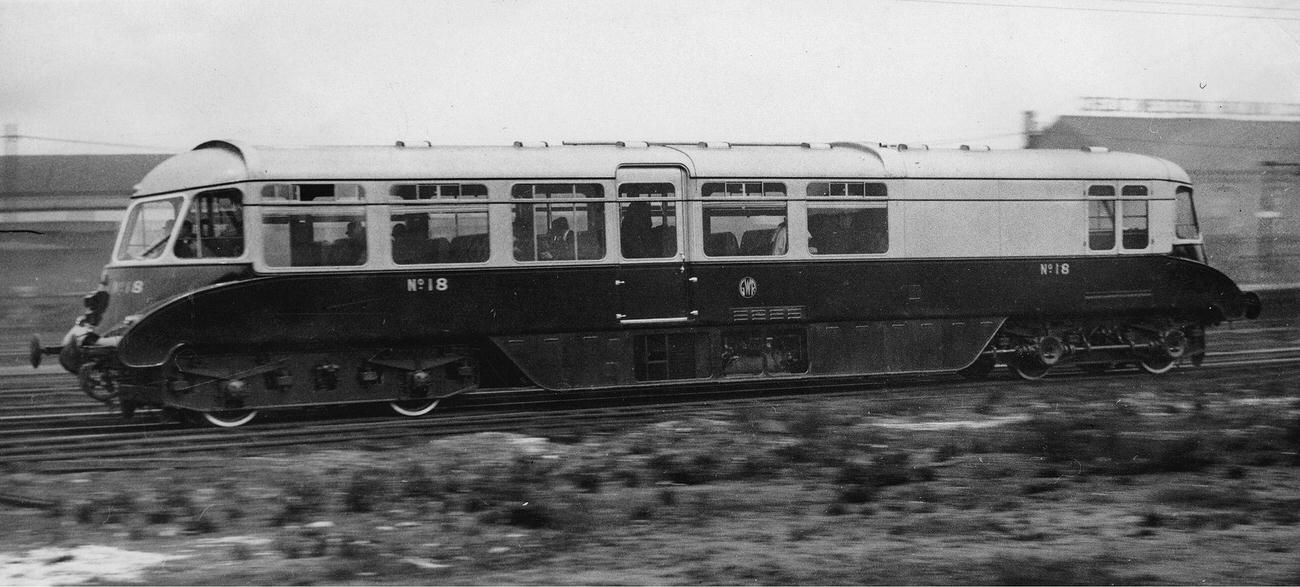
[647, 220]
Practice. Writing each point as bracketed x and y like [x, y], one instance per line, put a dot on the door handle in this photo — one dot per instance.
[619, 282]
[693, 279]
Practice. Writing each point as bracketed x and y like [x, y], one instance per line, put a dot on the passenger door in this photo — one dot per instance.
[654, 282]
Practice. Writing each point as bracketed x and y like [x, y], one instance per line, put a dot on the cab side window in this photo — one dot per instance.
[148, 229]
[1136, 213]
[1101, 217]
[214, 227]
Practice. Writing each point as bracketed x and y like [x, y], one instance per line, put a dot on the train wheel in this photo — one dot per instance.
[1028, 369]
[96, 384]
[229, 418]
[1157, 365]
[980, 368]
[414, 408]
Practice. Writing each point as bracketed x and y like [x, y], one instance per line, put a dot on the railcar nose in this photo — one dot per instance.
[1250, 305]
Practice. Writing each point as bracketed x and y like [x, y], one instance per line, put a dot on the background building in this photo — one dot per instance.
[1246, 174]
[58, 218]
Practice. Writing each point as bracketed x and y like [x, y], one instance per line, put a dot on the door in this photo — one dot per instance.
[654, 282]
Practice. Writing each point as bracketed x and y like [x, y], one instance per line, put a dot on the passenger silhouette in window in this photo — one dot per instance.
[637, 232]
[351, 249]
[780, 240]
[559, 241]
[186, 242]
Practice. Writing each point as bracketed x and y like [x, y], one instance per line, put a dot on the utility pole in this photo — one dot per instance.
[1032, 131]
[8, 167]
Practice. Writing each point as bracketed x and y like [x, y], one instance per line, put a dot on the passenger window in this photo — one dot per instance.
[839, 225]
[214, 227]
[440, 191]
[744, 219]
[1101, 218]
[313, 192]
[314, 238]
[647, 220]
[1136, 232]
[148, 229]
[559, 224]
[453, 231]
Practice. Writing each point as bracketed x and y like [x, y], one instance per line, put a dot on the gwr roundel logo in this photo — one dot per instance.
[748, 287]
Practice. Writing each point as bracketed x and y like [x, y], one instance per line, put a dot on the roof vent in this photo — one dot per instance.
[634, 144]
[531, 144]
[714, 145]
[1095, 150]
[902, 147]
[975, 148]
[816, 146]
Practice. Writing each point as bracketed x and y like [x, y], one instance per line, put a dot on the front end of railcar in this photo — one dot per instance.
[173, 241]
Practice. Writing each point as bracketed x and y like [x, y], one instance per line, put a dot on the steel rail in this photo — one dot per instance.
[108, 450]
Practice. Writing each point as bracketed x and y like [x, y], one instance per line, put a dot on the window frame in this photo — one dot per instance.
[874, 195]
[265, 211]
[1124, 198]
[599, 197]
[166, 254]
[671, 199]
[191, 207]
[1186, 194]
[456, 204]
[737, 195]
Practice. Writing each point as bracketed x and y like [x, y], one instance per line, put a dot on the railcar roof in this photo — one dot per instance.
[223, 162]
[1037, 164]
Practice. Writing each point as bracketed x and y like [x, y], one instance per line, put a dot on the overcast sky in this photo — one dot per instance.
[170, 75]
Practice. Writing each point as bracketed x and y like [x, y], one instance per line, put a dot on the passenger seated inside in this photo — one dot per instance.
[523, 239]
[559, 241]
[404, 250]
[637, 233]
[351, 249]
[780, 240]
[187, 246]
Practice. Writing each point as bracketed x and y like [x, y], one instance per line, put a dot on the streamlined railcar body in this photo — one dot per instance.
[256, 278]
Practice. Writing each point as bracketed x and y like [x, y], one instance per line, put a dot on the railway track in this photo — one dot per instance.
[100, 441]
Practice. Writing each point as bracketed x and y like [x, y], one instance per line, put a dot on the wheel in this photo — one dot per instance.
[95, 384]
[980, 368]
[229, 418]
[1028, 369]
[414, 407]
[1156, 365]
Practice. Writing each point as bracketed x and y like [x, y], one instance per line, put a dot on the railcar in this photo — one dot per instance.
[249, 278]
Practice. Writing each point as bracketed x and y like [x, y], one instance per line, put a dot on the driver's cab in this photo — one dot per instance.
[182, 228]
[1187, 231]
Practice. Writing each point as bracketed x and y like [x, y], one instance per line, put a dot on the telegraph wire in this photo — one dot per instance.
[1108, 10]
[85, 142]
[1207, 5]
